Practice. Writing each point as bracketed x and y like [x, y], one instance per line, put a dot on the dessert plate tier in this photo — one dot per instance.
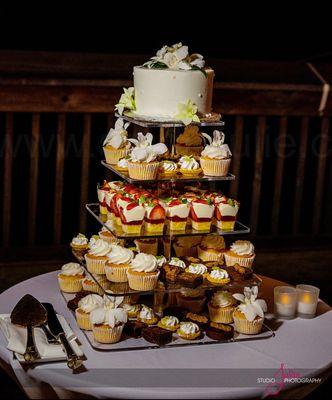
[130, 343]
[211, 120]
[176, 178]
[117, 231]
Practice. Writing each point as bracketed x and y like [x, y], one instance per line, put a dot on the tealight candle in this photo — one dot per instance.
[285, 299]
[307, 300]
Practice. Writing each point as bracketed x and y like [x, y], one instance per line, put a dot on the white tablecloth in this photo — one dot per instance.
[301, 345]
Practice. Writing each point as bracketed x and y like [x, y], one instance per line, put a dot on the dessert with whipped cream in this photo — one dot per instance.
[177, 212]
[107, 323]
[167, 169]
[249, 314]
[216, 157]
[132, 216]
[116, 144]
[132, 309]
[143, 163]
[118, 263]
[85, 306]
[212, 248]
[169, 322]
[188, 330]
[122, 164]
[241, 252]
[79, 245]
[226, 210]
[190, 142]
[155, 215]
[143, 272]
[218, 276]
[96, 258]
[189, 167]
[221, 307]
[147, 315]
[201, 212]
[70, 277]
[101, 192]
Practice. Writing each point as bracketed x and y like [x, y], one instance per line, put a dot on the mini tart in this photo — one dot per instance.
[188, 336]
[142, 280]
[220, 314]
[166, 173]
[223, 281]
[70, 283]
[91, 286]
[172, 328]
[83, 319]
[214, 167]
[121, 169]
[203, 275]
[242, 325]
[143, 171]
[103, 333]
[191, 172]
[95, 264]
[116, 272]
[232, 258]
[134, 313]
[148, 321]
[113, 155]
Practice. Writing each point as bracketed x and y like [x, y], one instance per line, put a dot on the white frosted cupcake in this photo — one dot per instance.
[85, 306]
[79, 245]
[96, 258]
[216, 157]
[221, 307]
[118, 262]
[107, 324]
[241, 252]
[116, 143]
[212, 248]
[143, 272]
[70, 277]
[249, 315]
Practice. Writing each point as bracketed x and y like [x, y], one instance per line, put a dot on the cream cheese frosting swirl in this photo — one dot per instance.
[177, 262]
[146, 312]
[161, 260]
[100, 248]
[80, 240]
[187, 162]
[120, 255]
[131, 308]
[243, 248]
[219, 274]
[188, 328]
[169, 320]
[168, 166]
[72, 269]
[90, 302]
[198, 269]
[123, 163]
[144, 263]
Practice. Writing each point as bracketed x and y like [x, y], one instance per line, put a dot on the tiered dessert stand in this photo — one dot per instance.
[167, 134]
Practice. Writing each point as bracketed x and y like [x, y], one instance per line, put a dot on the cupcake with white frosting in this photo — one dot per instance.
[221, 307]
[144, 164]
[118, 263]
[249, 315]
[216, 157]
[241, 252]
[70, 277]
[95, 283]
[79, 246]
[85, 306]
[212, 248]
[116, 144]
[143, 272]
[189, 167]
[188, 331]
[107, 323]
[96, 258]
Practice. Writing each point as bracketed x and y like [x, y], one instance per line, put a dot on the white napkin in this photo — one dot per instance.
[17, 338]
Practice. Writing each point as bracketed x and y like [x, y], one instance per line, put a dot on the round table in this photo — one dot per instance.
[228, 370]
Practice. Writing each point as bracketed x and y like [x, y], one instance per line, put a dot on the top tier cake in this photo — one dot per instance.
[173, 82]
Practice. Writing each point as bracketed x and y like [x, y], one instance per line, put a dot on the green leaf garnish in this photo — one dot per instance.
[142, 200]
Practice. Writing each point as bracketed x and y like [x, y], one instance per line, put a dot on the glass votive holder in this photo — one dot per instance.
[285, 302]
[307, 300]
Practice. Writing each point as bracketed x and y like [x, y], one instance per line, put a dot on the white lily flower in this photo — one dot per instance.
[117, 136]
[250, 306]
[182, 53]
[187, 112]
[127, 100]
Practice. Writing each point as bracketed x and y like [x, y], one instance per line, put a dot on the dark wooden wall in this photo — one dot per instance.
[281, 148]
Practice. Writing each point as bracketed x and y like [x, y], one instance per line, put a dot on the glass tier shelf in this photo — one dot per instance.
[129, 343]
[212, 120]
[117, 231]
[177, 178]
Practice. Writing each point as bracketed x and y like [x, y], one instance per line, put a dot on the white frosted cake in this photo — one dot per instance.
[171, 85]
[158, 92]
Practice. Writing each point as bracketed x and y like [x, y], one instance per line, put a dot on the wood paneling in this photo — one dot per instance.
[237, 153]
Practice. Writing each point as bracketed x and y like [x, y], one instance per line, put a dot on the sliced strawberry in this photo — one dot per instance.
[131, 206]
[217, 213]
[193, 215]
[157, 212]
[175, 202]
[201, 201]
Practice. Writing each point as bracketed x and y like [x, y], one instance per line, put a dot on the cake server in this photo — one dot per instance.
[30, 313]
[73, 361]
